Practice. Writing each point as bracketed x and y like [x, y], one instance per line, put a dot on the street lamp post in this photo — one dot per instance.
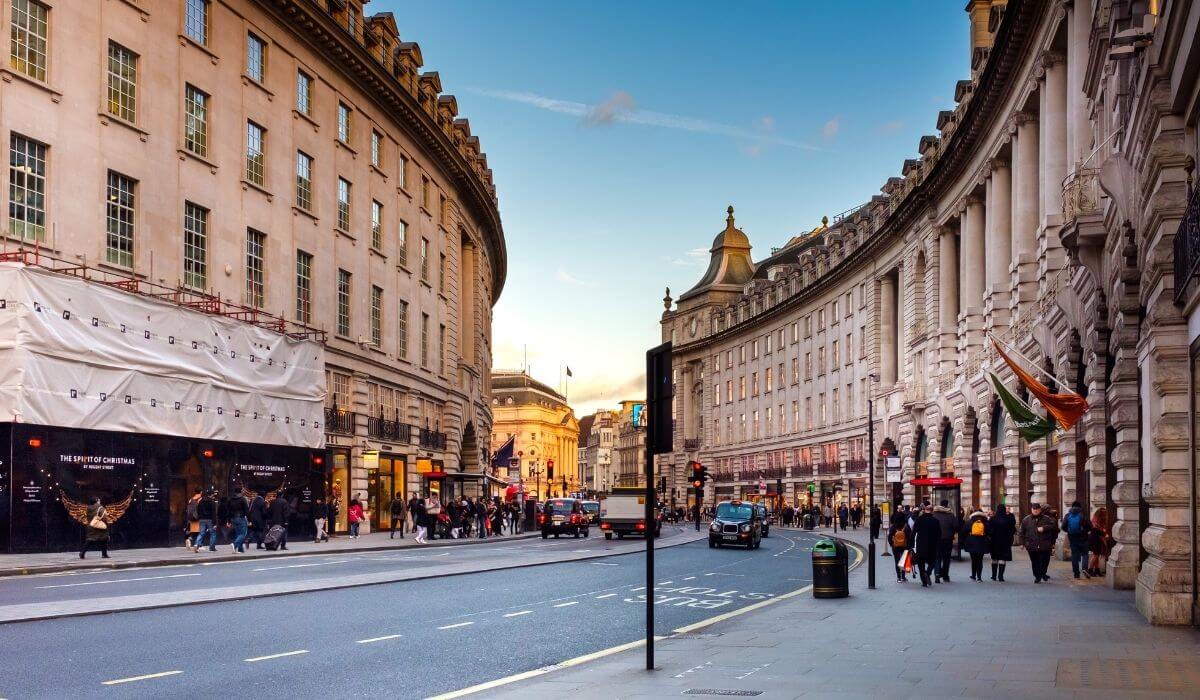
[871, 479]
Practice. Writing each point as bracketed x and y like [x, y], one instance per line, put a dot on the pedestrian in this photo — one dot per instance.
[975, 541]
[354, 515]
[876, 521]
[1098, 542]
[948, 523]
[899, 538]
[1001, 528]
[258, 520]
[335, 509]
[193, 520]
[1039, 532]
[843, 516]
[206, 511]
[927, 535]
[320, 512]
[237, 515]
[481, 518]
[827, 515]
[97, 530]
[420, 519]
[277, 514]
[398, 509]
[1078, 527]
[433, 512]
[454, 511]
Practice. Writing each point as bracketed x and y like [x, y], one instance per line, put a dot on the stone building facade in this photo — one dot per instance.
[288, 156]
[597, 440]
[546, 430]
[1054, 209]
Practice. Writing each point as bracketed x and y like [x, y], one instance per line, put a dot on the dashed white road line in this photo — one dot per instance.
[606, 595]
[118, 580]
[518, 614]
[148, 676]
[637, 589]
[564, 605]
[603, 563]
[689, 578]
[664, 583]
[450, 627]
[300, 566]
[268, 657]
[378, 639]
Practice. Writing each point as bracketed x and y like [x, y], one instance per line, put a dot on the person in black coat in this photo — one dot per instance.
[974, 537]
[876, 521]
[926, 534]
[258, 520]
[1001, 528]
[277, 514]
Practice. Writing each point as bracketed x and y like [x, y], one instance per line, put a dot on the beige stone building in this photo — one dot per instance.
[597, 442]
[1055, 209]
[287, 156]
[546, 430]
[629, 453]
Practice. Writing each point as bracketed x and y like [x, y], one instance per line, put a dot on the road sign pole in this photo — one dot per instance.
[871, 492]
[659, 429]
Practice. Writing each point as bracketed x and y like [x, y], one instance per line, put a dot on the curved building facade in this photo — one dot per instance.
[1055, 210]
[286, 157]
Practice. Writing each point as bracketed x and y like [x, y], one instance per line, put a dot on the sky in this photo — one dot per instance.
[619, 131]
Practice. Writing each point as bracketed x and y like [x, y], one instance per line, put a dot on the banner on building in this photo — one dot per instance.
[1030, 425]
[1066, 408]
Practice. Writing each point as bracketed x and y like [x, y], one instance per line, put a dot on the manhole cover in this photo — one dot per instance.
[1126, 674]
[722, 691]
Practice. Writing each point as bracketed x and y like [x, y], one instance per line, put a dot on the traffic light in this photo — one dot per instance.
[703, 475]
[699, 474]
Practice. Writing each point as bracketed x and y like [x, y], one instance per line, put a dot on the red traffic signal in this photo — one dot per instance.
[699, 474]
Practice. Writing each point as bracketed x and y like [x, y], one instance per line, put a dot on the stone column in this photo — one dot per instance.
[999, 244]
[887, 330]
[1053, 141]
[948, 297]
[1079, 128]
[1023, 263]
[973, 265]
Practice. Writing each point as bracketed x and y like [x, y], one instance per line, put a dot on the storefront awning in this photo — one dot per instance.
[937, 481]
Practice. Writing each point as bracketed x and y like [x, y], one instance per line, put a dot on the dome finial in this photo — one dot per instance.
[825, 221]
[729, 219]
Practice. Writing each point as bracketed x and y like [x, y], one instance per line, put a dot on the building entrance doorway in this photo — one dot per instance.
[383, 483]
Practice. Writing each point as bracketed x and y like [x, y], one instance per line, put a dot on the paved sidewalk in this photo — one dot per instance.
[1064, 638]
[52, 562]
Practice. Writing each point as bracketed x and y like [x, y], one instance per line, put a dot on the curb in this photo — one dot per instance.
[115, 566]
[325, 587]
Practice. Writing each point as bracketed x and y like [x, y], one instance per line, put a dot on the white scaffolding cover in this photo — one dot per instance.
[81, 354]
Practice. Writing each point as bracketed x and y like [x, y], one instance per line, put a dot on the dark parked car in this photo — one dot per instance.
[561, 516]
[737, 523]
[592, 510]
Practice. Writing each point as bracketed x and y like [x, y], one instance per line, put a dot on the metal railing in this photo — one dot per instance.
[432, 439]
[691, 443]
[338, 420]
[857, 466]
[1081, 193]
[1187, 246]
[381, 428]
[829, 468]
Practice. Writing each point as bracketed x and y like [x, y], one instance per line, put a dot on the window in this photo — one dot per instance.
[769, 344]
[808, 326]
[339, 391]
[375, 148]
[425, 259]
[741, 388]
[441, 349]
[195, 21]
[742, 427]
[770, 421]
[442, 273]
[849, 348]
[796, 332]
[767, 379]
[808, 414]
[862, 295]
[256, 243]
[820, 319]
[343, 123]
[402, 329]
[255, 163]
[795, 370]
[808, 365]
[303, 286]
[755, 424]
[256, 58]
[343, 303]
[729, 391]
[424, 340]
[376, 225]
[304, 83]
[403, 172]
[835, 406]
[122, 82]
[195, 121]
[27, 52]
[376, 316]
[822, 408]
[304, 164]
[118, 248]
[754, 350]
[834, 315]
[728, 428]
[716, 394]
[728, 359]
[742, 354]
[849, 304]
[402, 242]
[795, 416]
[343, 216]
[195, 246]
[425, 193]
[781, 338]
[862, 345]
[836, 355]
[821, 360]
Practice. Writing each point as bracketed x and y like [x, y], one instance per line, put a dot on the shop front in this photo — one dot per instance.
[49, 475]
[386, 478]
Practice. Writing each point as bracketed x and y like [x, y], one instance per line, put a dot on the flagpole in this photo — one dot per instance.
[1031, 363]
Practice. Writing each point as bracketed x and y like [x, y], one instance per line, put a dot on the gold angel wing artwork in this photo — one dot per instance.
[78, 511]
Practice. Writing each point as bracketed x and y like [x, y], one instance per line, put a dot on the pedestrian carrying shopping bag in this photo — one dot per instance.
[906, 560]
[274, 535]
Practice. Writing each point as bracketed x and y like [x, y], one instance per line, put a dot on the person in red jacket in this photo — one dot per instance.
[355, 515]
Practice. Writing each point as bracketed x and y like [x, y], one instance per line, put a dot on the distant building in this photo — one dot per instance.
[546, 431]
[597, 440]
[631, 445]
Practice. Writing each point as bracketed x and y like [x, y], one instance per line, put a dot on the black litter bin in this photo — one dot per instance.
[831, 569]
[809, 521]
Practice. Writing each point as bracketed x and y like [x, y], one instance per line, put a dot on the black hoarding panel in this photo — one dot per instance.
[6, 491]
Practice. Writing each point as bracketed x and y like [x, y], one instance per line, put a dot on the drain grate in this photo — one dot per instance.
[722, 691]
[1126, 674]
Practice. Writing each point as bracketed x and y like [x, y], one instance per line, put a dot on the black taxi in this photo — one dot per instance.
[737, 523]
[563, 516]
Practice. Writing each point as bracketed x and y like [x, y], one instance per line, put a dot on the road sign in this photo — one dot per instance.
[893, 470]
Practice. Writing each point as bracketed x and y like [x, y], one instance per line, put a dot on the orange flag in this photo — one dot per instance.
[1067, 409]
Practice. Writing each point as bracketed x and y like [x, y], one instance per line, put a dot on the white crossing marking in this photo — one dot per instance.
[450, 627]
[606, 595]
[518, 614]
[689, 578]
[119, 580]
[148, 676]
[378, 639]
[637, 589]
[603, 563]
[276, 656]
[664, 583]
[563, 605]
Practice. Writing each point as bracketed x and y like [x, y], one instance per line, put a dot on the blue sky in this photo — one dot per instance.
[619, 132]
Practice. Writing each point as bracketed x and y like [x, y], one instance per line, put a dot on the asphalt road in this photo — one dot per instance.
[407, 639]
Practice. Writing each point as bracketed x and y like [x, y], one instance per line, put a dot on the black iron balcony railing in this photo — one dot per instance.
[691, 443]
[391, 430]
[828, 468]
[433, 440]
[339, 421]
[857, 466]
[1187, 246]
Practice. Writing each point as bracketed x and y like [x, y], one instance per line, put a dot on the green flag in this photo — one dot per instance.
[1031, 426]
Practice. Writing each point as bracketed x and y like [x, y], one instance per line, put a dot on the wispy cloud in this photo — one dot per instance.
[620, 109]
[563, 276]
[831, 128]
[696, 257]
[889, 127]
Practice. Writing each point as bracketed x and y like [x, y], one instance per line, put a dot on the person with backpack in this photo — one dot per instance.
[975, 541]
[899, 538]
[1039, 531]
[1077, 527]
[1001, 528]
